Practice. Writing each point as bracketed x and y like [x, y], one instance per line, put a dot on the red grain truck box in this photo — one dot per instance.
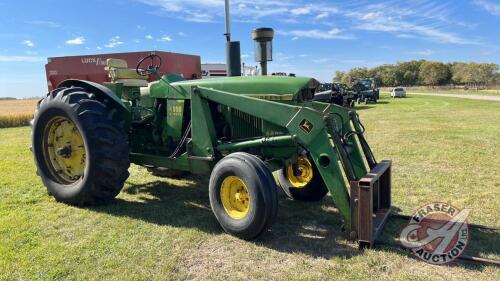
[91, 67]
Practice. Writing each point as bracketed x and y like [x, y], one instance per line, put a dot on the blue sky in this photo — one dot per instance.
[313, 38]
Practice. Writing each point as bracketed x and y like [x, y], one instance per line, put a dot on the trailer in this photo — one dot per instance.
[211, 70]
[214, 70]
[91, 67]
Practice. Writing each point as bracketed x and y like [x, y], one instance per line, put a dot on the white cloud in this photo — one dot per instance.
[301, 11]
[244, 56]
[322, 15]
[21, 59]
[492, 8]
[283, 57]
[347, 62]
[372, 15]
[180, 5]
[423, 53]
[404, 35]
[165, 38]
[31, 52]
[149, 37]
[303, 55]
[43, 23]
[437, 35]
[334, 33]
[322, 60]
[182, 34]
[29, 43]
[113, 42]
[210, 10]
[76, 41]
[98, 48]
[416, 20]
[430, 20]
[198, 16]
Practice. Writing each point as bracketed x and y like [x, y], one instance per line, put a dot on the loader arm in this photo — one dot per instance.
[328, 133]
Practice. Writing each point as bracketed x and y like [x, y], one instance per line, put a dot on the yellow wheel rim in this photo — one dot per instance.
[300, 173]
[235, 197]
[64, 150]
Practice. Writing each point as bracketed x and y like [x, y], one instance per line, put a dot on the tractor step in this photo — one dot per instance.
[371, 204]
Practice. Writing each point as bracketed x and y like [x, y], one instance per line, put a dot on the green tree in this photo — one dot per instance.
[339, 76]
[408, 72]
[421, 72]
[434, 73]
[459, 71]
[486, 73]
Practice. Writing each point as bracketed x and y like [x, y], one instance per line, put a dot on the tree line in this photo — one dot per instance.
[425, 73]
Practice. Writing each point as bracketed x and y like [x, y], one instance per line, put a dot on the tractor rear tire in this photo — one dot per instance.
[308, 186]
[243, 195]
[80, 147]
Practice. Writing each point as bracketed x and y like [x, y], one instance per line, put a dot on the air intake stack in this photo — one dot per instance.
[263, 38]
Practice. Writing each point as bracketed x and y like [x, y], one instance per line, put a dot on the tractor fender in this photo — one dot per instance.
[94, 88]
[101, 92]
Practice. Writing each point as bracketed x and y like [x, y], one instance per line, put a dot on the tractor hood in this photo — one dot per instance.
[268, 87]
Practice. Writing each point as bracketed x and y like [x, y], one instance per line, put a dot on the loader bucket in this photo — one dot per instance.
[370, 204]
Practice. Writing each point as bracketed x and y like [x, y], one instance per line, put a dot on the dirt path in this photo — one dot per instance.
[470, 97]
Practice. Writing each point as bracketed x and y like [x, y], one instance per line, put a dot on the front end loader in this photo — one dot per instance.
[238, 130]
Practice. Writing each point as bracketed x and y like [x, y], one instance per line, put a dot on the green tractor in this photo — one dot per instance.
[238, 130]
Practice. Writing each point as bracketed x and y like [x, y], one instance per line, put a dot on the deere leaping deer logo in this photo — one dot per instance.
[306, 125]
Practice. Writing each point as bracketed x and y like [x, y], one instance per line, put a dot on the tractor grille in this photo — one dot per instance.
[244, 125]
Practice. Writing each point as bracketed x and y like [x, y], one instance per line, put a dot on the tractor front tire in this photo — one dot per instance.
[302, 182]
[80, 147]
[243, 195]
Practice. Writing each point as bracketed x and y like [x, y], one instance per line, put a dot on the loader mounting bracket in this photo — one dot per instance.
[370, 204]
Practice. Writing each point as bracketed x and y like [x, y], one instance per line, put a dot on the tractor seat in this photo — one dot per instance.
[120, 73]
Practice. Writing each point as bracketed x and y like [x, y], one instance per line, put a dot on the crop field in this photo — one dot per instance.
[443, 149]
[15, 113]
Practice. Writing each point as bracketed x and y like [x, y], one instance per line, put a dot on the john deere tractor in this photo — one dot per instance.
[238, 130]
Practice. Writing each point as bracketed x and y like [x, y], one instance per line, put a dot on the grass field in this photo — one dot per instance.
[444, 149]
[450, 91]
[15, 113]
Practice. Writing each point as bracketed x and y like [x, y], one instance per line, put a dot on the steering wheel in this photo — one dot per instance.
[151, 68]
